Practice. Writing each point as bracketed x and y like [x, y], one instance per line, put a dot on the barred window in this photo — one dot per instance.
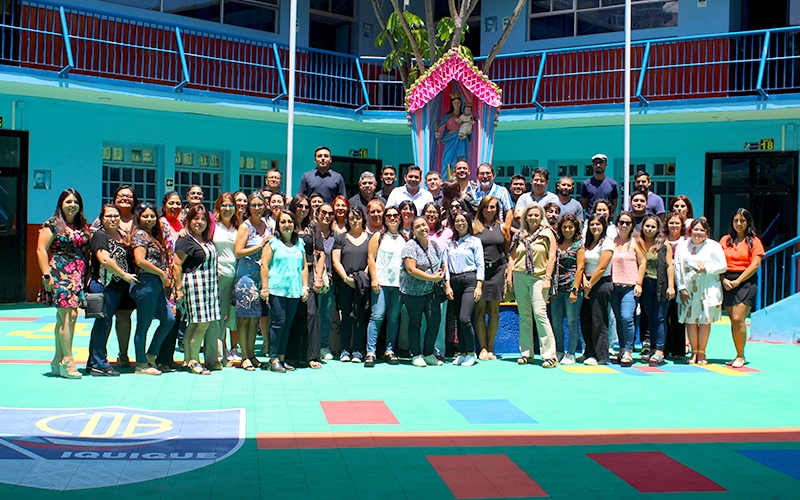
[135, 166]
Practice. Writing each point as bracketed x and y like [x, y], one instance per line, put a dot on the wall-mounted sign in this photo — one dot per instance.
[762, 145]
[170, 183]
[359, 153]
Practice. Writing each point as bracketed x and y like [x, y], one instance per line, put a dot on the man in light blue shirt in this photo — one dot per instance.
[539, 192]
[569, 205]
[487, 186]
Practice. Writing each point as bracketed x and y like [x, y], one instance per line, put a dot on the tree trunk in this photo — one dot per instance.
[506, 31]
[379, 14]
[411, 39]
[460, 17]
[431, 32]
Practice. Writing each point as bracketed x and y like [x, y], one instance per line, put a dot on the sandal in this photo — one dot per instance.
[369, 361]
[491, 356]
[315, 364]
[656, 360]
[549, 363]
[255, 362]
[390, 359]
[523, 360]
[198, 369]
[703, 361]
[484, 355]
[626, 360]
[247, 365]
[736, 363]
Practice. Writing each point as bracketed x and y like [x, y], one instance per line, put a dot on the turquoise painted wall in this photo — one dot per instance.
[67, 138]
[688, 143]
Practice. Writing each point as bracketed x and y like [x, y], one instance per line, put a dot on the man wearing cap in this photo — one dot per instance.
[599, 187]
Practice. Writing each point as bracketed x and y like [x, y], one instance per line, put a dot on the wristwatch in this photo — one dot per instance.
[46, 277]
[573, 290]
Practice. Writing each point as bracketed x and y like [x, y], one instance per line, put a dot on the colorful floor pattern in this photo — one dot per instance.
[495, 430]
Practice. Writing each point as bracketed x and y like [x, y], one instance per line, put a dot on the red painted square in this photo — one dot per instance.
[485, 476]
[649, 369]
[743, 369]
[358, 413]
[654, 472]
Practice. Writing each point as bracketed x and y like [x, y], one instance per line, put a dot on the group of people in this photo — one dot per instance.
[407, 271]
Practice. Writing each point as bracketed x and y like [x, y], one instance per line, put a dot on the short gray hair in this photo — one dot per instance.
[366, 175]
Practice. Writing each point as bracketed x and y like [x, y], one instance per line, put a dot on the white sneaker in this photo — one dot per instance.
[419, 361]
[459, 359]
[568, 359]
[590, 362]
[469, 360]
[235, 355]
[325, 354]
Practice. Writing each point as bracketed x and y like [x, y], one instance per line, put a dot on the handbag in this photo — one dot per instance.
[95, 305]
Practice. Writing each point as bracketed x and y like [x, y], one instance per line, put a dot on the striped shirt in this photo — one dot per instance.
[501, 194]
[464, 256]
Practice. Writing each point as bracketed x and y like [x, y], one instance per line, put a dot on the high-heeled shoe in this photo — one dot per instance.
[54, 368]
[68, 370]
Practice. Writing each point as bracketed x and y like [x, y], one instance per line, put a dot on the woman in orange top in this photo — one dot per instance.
[743, 252]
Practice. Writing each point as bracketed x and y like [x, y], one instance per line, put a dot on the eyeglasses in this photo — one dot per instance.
[259, 205]
[392, 216]
[326, 213]
[302, 207]
[124, 197]
[625, 223]
[227, 206]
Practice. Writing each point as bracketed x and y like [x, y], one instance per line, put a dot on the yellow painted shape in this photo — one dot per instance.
[587, 369]
[19, 333]
[723, 370]
[49, 327]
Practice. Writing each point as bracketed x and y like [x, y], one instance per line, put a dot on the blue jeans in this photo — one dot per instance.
[281, 312]
[324, 308]
[623, 304]
[98, 341]
[656, 312]
[385, 305]
[150, 302]
[560, 306]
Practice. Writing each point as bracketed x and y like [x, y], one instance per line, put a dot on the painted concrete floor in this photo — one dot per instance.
[494, 430]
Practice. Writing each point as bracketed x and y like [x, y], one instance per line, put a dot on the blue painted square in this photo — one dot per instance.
[631, 371]
[786, 461]
[490, 411]
[683, 369]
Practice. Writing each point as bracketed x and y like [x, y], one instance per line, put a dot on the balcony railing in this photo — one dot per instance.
[777, 275]
[47, 36]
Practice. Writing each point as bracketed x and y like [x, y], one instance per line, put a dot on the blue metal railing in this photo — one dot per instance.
[42, 34]
[777, 275]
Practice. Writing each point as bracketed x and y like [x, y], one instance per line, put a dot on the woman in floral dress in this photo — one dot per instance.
[62, 251]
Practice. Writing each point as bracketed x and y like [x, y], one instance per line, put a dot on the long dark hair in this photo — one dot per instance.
[468, 217]
[385, 228]
[590, 238]
[80, 220]
[685, 199]
[634, 232]
[660, 238]
[255, 194]
[294, 237]
[164, 200]
[107, 206]
[575, 222]
[302, 224]
[438, 227]
[157, 235]
[194, 212]
[750, 231]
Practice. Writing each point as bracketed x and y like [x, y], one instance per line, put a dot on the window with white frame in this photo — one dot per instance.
[565, 18]
[200, 167]
[662, 176]
[136, 166]
[254, 166]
